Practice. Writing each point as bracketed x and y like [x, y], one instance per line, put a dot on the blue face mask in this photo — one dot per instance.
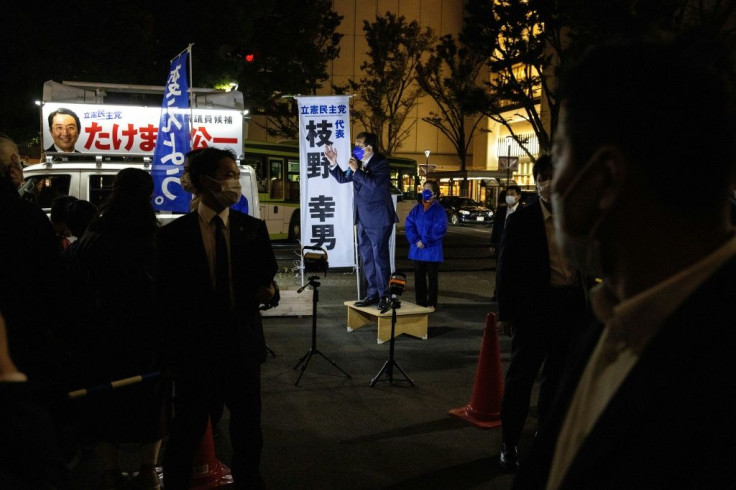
[427, 194]
[358, 153]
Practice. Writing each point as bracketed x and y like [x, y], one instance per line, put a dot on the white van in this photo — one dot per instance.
[90, 177]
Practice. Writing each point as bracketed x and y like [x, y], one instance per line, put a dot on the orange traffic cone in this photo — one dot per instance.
[207, 472]
[484, 410]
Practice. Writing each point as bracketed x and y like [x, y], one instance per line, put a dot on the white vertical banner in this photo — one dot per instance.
[326, 205]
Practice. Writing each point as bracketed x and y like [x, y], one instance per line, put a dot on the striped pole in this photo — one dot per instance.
[112, 385]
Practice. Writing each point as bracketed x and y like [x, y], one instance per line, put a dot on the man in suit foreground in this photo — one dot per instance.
[647, 399]
[373, 212]
[541, 298]
[504, 211]
[220, 265]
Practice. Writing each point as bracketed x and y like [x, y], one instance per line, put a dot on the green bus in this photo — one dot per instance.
[277, 174]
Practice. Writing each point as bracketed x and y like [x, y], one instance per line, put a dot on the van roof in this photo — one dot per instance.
[90, 161]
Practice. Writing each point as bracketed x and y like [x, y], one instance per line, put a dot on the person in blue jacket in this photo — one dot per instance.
[425, 229]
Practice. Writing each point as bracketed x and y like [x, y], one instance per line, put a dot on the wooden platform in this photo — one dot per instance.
[292, 304]
[410, 319]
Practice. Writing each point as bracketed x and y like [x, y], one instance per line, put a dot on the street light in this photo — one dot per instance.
[426, 164]
[509, 140]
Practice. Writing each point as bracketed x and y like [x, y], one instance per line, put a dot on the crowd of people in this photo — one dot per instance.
[601, 282]
[601, 278]
[107, 269]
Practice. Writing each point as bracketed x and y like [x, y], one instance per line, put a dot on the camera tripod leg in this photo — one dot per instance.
[387, 369]
[404, 373]
[388, 365]
[313, 349]
[305, 359]
[334, 364]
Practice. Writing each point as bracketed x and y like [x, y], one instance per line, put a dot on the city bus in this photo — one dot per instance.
[277, 173]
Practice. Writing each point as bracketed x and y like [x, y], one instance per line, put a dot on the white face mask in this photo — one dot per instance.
[510, 200]
[229, 192]
[584, 252]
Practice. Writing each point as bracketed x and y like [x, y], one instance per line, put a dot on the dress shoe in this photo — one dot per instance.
[509, 459]
[384, 303]
[367, 301]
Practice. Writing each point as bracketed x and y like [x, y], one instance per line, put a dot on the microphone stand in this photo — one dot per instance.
[304, 361]
[388, 366]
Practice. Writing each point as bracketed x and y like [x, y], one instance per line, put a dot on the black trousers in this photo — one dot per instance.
[425, 282]
[197, 394]
[541, 341]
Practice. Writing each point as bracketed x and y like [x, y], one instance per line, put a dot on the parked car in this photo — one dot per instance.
[465, 210]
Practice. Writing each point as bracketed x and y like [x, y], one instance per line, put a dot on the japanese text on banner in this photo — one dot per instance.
[326, 206]
[172, 141]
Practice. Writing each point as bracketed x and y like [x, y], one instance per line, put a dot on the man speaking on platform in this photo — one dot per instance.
[373, 212]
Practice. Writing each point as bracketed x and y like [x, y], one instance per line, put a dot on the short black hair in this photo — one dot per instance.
[79, 214]
[68, 112]
[59, 208]
[515, 188]
[543, 164]
[133, 181]
[369, 139]
[206, 162]
[190, 156]
[645, 97]
[435, 187]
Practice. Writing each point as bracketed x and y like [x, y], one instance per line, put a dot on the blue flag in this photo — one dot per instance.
[173, 141]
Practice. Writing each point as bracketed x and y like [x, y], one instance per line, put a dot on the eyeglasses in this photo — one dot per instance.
[69, 128]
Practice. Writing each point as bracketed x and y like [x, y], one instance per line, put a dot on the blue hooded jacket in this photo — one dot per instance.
[429, 227]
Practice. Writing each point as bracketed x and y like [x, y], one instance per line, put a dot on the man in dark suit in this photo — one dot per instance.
[646, 401]
[64, 126]
[541, 298]
[373, 212]
[215, 342]
[511, 202]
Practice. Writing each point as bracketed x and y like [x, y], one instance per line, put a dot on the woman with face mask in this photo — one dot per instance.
[426, 226]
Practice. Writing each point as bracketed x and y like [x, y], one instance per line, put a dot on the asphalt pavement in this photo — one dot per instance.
[335, 432]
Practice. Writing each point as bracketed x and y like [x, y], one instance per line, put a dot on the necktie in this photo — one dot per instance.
[222, 268]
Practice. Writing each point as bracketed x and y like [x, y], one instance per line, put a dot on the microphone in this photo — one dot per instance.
[396, 285]
[358, 154]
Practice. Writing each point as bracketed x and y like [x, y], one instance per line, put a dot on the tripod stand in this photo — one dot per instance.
[388, 366]
[304, 361]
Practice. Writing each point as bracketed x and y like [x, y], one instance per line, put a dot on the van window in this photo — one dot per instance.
[277, 179]
[48, 187]
[100, 186]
